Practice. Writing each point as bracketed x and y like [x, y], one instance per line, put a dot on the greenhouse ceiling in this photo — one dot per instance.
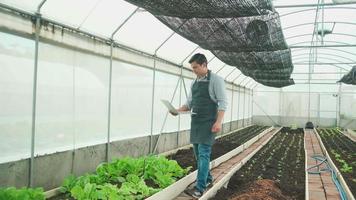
[320, 34]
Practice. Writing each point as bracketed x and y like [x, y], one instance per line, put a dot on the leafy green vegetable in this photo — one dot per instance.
[12, 193]
[125, 179]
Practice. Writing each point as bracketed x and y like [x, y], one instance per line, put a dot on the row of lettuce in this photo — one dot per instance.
[122, 179]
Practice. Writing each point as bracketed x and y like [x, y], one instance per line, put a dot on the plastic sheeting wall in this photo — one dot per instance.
[72, 99]
[292, 107]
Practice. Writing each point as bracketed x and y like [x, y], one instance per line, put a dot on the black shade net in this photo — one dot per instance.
[349, 78]
[242, 33]
[205, 8]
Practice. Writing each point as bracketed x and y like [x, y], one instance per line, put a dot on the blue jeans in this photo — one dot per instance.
[202, 155]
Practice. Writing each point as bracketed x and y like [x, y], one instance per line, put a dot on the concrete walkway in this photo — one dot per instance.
[223, 169]
[320, 186]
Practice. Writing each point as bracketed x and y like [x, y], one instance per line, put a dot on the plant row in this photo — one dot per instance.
[342, 151]
[281, 160]
[223, 145]
[122, 179]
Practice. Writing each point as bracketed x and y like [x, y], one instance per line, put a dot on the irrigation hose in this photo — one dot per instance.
[323, 159]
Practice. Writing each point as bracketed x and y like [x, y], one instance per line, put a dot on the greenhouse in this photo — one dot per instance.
[163, 99]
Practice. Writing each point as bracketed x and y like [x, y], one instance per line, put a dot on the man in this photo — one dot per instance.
[207, 100]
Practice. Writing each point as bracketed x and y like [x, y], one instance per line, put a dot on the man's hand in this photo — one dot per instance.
[173, 113]
[216, 127]
[183, 108]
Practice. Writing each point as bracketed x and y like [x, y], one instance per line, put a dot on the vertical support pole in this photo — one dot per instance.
[280, 106]
[232, 105]
[252, 98]
[108, 151]
[180, 102]
[243, 109]
[152, 101]
[238, 107]
[319, 109]
[34, 100]
[338, 119]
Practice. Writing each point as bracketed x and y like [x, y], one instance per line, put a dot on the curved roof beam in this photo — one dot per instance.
[90, 12]
[334, 65]
[326, 54]
[123, 23]
[311, 23]
[313, 9]
[307, 34]
[329, 48]
[308, 42]
[329, 58]
[314, 5]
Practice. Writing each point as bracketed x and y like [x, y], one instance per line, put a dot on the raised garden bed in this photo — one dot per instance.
[224, 145]
[185, 157]
[125, 178]
[343, 153]
[281, 161]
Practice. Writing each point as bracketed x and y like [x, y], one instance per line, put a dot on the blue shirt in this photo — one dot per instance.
[217, 91]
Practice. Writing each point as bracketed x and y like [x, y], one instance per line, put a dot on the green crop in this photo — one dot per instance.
[125, 179]
[12, 193]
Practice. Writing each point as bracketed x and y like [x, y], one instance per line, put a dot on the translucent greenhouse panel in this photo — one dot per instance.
[16, 85]
[328, 105]
[248, 103]
[344, 13]
[137, 34]
[215, 64]
[348, 106]
[233, 75]
[227, 115]
[131, 101]
[55, 112]
[245, 105]
[266, 103]
[67, 118]
[297, 37]
[298, 104]
[288, 2]
[76, 12]
[91, 81]
[226, 71]
[290, 30]
[176, 49]
[107, 16]
[30, 6]
[344, 1]
[185, 120]
[164, 89]
[348, 88]
[240, 79]
[234, 106]
[241, 104]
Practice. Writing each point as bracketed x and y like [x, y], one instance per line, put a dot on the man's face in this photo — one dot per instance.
[199, 70]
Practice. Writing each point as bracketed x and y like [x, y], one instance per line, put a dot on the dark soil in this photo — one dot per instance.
[185, 157]
[336, 142]
[262, 190]
[281, 160]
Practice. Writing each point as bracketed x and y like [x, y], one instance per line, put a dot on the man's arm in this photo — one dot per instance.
[220, 93]
[218, 123]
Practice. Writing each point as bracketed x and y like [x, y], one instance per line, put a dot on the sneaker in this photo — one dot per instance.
[193, 192]
[209, 183]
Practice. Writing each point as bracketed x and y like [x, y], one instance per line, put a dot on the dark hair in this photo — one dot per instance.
[198, 58]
